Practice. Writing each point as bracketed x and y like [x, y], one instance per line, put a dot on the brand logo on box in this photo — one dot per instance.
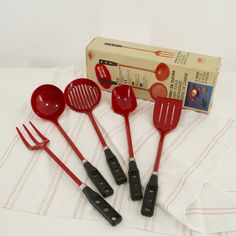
[200, 60]
[90, 55]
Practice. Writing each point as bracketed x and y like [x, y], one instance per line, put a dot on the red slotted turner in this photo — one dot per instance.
[166, 116]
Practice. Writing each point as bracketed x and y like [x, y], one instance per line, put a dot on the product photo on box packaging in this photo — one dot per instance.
[154, 71]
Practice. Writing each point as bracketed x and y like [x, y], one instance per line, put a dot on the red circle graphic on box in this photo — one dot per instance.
[103, 76]
[162, 72]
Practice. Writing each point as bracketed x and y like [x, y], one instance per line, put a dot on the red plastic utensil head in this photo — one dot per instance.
[123, 100]
[48, 102]
[166, 114]
[37, 144]
[162, 72]
[82, 95]
[158, 90]
[103, 75]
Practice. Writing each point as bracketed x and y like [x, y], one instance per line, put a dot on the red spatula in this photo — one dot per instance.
[165, 118]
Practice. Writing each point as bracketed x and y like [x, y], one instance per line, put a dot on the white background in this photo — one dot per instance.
[49, 33]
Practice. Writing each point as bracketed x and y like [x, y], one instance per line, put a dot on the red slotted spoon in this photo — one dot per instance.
[124, 102]
[166, 116]
[83, 95]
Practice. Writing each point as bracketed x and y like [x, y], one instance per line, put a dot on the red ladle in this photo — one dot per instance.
[83, 95]
[161, 72]
[48, 102]
[124, 102]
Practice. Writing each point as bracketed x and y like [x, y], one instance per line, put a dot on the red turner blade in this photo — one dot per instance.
[165, 118]
[166, 114]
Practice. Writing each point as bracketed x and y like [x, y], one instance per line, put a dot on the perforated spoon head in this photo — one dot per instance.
[82, 95]
[123, 100]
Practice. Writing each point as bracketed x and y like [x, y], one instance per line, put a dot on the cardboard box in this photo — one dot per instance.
[154, 71]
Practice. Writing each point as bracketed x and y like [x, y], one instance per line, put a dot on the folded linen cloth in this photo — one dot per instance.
[192, 154]
[192, 192]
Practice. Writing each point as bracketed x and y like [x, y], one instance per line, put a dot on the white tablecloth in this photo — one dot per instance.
[12, 80]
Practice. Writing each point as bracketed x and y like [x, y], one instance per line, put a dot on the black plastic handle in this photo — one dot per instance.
[99, 181]
[134, 182]
[109, 63]
[115, 167]
[104, 81]
[102, 206]
[113, 45]
[150, 197]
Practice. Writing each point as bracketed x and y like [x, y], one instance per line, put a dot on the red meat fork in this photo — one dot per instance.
[166, 116]
[98, 202]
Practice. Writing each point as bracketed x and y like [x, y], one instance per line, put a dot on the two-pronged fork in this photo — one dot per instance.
[98, 202]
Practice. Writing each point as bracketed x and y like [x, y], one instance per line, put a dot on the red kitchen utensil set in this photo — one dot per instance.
[83, 95]
[48, 103]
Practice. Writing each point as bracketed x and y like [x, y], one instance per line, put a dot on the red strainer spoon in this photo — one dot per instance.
[166, 116]
[124, 102]
[48, 102]
[83, 95]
